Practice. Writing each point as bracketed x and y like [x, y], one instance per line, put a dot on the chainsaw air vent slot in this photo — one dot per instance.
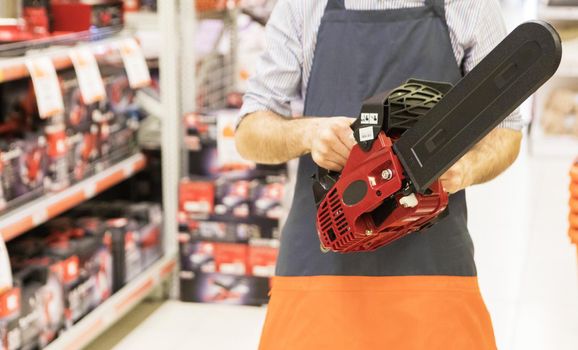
[383, 211]
[331, 234]
[332, 219]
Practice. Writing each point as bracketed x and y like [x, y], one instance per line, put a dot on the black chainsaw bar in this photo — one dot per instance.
[500, 83]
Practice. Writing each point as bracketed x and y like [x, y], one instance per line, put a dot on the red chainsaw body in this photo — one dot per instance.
[362, 211]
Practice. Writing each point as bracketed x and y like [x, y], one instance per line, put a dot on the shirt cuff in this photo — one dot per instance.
[513, 121]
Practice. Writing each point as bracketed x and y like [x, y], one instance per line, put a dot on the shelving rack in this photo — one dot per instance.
[542, 144]
[39, 211]
[176, 22]
[113, 309]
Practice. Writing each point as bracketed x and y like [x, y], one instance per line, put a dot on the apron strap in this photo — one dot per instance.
[335, 5]
[438, 6]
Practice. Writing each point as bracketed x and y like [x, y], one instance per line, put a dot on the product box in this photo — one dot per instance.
[233, 197]
[228, 157]
[87, 273]
[82, 153]
[77, 114]
[196, 197]
[79, 258]
[210, 139]
[217, 231]
[198, 257]
[41, 311]
[201, 141]
[149, 218]
[135, 235]
[37, 17]
[267, 197]
[262, 258]
[231, 258]
[83, 16]
[57, 152]
[210, 257]
[126, 254]
[23, 167]
[223, 288]
[10, 305]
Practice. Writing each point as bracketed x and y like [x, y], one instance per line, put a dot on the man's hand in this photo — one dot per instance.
[456, 178]
[268, 138]
[488, 159]
[330, 142]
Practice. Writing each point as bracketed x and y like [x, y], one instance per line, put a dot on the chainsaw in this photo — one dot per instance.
[409, 136]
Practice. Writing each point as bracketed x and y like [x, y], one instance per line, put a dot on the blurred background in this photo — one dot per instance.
[129, 221]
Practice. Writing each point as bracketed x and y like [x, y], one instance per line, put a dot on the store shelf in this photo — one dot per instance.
[558, 13]
[15, 68]
[142, 20]
[149, 103]
[96, 322]
[22, 219]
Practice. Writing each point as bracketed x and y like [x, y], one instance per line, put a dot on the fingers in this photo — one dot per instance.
[452, 180]
[326, 163]
[450, 185]
[346, 138]
[331, 146]
[324, 152]
[341, 149]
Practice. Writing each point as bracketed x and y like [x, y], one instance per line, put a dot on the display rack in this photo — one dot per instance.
[37, 212]
[15, 222]
[15, 68]
[118, 305]
[541, 143]
[557, 13]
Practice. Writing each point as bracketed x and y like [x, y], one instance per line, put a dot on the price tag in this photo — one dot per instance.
[135, 64]
[5, 270]
[46, 86]
[88, 75]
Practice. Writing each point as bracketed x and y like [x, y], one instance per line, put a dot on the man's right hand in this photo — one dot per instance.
[330, 142]
[268, 138]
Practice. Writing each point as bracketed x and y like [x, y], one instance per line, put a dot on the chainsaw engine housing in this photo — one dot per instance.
[371, 203]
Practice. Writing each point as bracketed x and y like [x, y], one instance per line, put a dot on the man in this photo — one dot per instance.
[421, 291]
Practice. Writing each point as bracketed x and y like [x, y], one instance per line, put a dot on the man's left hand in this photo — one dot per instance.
[489, 158]
[456, 178]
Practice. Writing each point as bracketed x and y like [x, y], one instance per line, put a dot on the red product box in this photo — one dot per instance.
[131, 5]
[77, 16]
[233, 198]
[9, 303]
[196, 197]
[231, 258]
[57, 149]
[262, 259]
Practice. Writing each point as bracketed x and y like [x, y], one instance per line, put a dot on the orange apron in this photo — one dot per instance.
[406, 312]
[421, 291]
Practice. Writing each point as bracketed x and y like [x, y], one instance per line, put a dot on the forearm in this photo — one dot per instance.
[268, 138]
[491, 156]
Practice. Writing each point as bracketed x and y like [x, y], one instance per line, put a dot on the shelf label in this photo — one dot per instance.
[46, 86]
[88, 75]
[135, 64]
[5, 270]
[40, 217]
[90, 190]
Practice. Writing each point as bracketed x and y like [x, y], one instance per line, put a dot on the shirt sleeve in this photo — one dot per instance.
[487, 32]
[277, 80]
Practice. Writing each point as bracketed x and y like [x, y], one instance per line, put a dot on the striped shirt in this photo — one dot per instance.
[475, 28]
